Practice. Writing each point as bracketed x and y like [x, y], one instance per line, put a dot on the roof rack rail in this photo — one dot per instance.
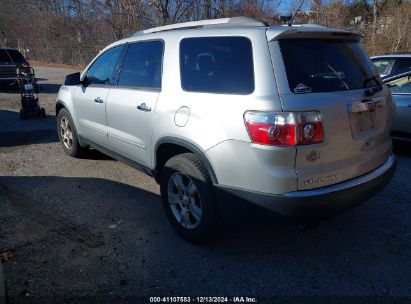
[399, 53]
[233, 21]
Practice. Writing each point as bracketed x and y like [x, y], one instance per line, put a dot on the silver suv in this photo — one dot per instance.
[291, 118]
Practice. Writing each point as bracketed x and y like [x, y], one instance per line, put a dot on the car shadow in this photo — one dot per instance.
[46, 88]
[95, 155]
[50, 220]
[402, 147]
[11, 89]
[34, 130]
[114, 239]
[49, 88]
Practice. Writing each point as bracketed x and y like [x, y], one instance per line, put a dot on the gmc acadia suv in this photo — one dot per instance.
[292, 118]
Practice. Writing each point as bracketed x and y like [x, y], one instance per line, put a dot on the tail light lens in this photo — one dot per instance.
[25, 65]
[284, 128]
[311, 128]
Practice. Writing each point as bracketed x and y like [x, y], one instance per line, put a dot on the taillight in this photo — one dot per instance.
[271, 128]
[25, 65]
[311, 128]
[284, 128]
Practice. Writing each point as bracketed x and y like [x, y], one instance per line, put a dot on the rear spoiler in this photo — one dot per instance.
[310, 31]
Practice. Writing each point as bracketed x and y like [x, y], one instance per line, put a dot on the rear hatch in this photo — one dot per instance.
[331, 73]
[10, 60]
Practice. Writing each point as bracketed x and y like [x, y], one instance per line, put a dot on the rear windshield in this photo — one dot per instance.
[11, 57]
[316, 65]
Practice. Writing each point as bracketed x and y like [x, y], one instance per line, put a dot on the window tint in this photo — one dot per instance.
[217, 65]
[401, 65]
[316, 65]
[17, 57]
[11, 57]
[103, 68]
[382, 65]
[4, 57]
[142, 65]
[401, 85]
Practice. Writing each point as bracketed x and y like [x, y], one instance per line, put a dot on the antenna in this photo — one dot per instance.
[278, 4]
[290, 22]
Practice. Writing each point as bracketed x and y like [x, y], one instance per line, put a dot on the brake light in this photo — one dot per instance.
[284, 128]
[25, 65]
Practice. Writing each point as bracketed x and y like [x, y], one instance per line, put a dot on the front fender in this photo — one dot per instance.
[65, 100]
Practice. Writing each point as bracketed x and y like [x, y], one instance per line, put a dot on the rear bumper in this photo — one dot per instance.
[321, 202]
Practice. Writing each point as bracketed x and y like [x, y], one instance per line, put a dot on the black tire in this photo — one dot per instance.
[43, 113]
[74, 149]
[191, 167]
[22, 114]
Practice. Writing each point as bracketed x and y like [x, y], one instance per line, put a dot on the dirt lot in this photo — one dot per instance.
[93, 230]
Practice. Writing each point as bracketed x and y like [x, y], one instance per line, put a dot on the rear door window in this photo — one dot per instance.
[142, 65]
[316, 65]
[217, 65]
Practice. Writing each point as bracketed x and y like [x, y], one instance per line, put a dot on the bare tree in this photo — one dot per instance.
[168, 12]
[73, 31]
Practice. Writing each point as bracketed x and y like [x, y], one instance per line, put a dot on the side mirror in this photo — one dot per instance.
[72, 79]
[86, 81]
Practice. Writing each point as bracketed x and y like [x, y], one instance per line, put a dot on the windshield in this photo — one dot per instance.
[317, 65]
[13, 57]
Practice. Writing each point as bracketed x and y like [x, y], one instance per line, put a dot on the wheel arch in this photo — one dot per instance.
[168, 147]
[62, 105]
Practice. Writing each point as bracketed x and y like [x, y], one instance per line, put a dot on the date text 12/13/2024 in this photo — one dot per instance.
[174, 299]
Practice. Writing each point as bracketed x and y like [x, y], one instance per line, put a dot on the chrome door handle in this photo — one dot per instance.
[98, 100]
[143, 107]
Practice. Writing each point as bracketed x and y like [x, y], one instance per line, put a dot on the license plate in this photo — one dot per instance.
[366, 121]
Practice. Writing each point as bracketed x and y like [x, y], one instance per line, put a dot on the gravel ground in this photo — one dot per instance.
[93, 230]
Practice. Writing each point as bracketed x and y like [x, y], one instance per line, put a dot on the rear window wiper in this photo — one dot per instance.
[338, 76]
[373, 90]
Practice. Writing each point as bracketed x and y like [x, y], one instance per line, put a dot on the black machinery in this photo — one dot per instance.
[29, 89]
